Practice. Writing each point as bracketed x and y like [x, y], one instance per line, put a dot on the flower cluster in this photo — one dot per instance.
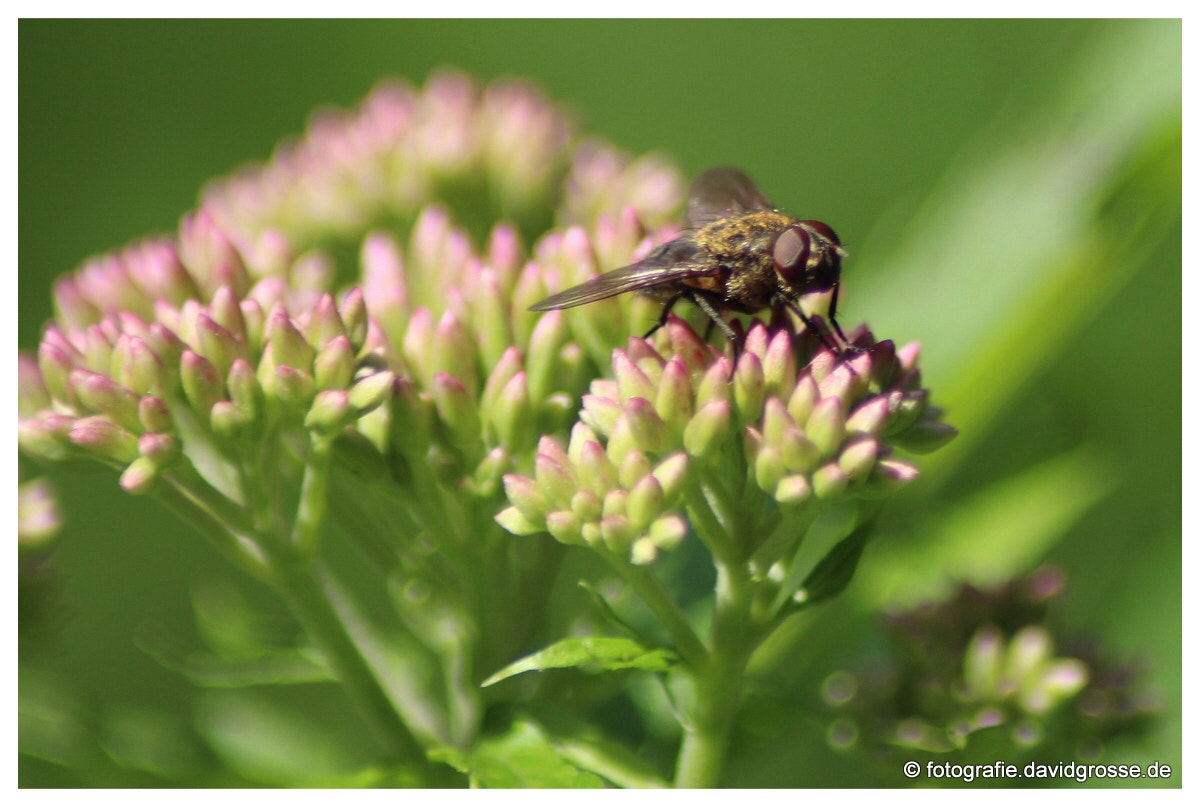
[184, 353]
[787, 422]
[504, 153]
[343, 335]
[986, 660]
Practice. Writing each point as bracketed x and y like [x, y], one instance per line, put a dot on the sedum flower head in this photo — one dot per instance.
[343, 334]
[250, 326]
[786, 426]
[987, 660]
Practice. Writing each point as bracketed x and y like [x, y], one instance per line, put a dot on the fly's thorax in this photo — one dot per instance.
[740, 238]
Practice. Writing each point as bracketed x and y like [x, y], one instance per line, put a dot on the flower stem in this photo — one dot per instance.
[718, 683]
[301, 586]
[652, 592]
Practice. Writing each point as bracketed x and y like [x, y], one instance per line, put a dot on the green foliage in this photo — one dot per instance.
[598, 653]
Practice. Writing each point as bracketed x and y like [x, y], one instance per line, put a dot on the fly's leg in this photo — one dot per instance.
[833, 315]
[715, 319]
[662, 318]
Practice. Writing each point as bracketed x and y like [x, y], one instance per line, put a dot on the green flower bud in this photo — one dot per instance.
[983, 663]
[868, 418]
[140, 477]
[458, 411]
[858, 458]
[596, 472]
[614, 503]
[453, 352]
[102, 395]
[544, 345]
[527, 496]
[201, 383]
[161, 449]
[293, 388]
[490, 472]
[556, 480]
[135, 366]
[254, 320]
[100, 436]
[228, 422]
[334, 366]
[409, 421]
[331, 411]
[779, 365]
[325, 324]
[645, 426]
[217, 344]
[798, 452]
[631, 381]
[889, 475]
[244, 390]
[354, 317]
[829, 481]
[925, 436]
[509, 419]
[56, 365]
[708, 429]
[618, 533]
[45, 438]
[512, 520]
[600, 413]
[154, 415]
[671, 474]
[674, 400]
[826, 426]
[371, 391]
[748, 387]
[632, 468]
[565, 526]
[667, 532]
[225, 309]
[645, 502]
[768, 467]
[793, 489]
[587, 505]
[286, 345]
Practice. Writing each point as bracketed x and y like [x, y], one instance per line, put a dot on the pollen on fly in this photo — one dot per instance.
[739, 254]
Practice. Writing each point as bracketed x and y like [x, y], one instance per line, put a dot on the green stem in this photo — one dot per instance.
[314, 497]
[708, 526]
[301, 587]
[718, 684]
[652, 592]
[189, 508]
[200, 490]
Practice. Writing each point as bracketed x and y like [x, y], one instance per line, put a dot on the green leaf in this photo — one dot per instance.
[603, 652]
[822, 537]
[836, 569]
[606, 609]
[520, 757]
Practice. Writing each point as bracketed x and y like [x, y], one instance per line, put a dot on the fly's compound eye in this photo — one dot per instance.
[791, 252]
[823, 230]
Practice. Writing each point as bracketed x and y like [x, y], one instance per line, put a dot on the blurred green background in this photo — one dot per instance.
[1009, 192]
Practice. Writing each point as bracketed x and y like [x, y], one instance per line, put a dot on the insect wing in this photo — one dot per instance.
[719, 193]
[668, 263]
